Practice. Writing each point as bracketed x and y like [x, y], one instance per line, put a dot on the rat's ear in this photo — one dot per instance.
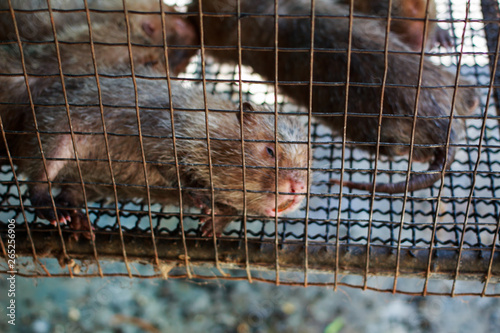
[248, 116]
[148, 28]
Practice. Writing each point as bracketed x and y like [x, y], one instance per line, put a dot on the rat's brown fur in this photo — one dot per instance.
[403, 23]
[33, 18]
[124, 148]
[330, 75]
[108, 27]
[40, 59]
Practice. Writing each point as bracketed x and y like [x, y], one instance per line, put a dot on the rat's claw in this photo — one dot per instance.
[80, 223]
[206, 228]
[65, 216]
[205, 219]
[206, 232]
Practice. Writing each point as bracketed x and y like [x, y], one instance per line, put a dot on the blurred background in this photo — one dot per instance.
[132, 305]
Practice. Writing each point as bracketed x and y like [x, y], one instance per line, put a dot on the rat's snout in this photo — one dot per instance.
[288, 202]
[293, 184]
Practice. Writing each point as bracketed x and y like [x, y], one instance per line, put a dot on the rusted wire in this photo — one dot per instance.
[344, 134]
[32, 105]
[309, 138]
[380, 117]
[412, 137]
[276, 156]
[209, 151]
[453, 102]
[351, 260]
[101, 108]
[242, 137]
[21, 204]
[174, 142]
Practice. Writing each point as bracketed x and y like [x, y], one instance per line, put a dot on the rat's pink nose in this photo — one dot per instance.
[297, 186]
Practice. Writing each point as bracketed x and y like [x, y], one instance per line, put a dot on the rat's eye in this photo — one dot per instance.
[270, 151]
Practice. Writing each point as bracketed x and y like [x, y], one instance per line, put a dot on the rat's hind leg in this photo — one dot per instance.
[39, 191]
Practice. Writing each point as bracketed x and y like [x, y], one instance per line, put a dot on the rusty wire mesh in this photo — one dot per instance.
[450, 234]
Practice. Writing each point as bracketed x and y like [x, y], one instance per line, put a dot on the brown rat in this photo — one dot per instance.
[42, 65]
[403, 23]
[41, 59]
[331, 42]
[108, 27]
[124, 148]
[467, 100]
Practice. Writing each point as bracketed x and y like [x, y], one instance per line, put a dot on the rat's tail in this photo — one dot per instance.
[417, 182]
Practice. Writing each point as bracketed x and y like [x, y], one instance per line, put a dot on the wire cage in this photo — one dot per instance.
[445, 234]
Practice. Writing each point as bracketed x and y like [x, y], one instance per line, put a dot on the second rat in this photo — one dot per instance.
[349, 99]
